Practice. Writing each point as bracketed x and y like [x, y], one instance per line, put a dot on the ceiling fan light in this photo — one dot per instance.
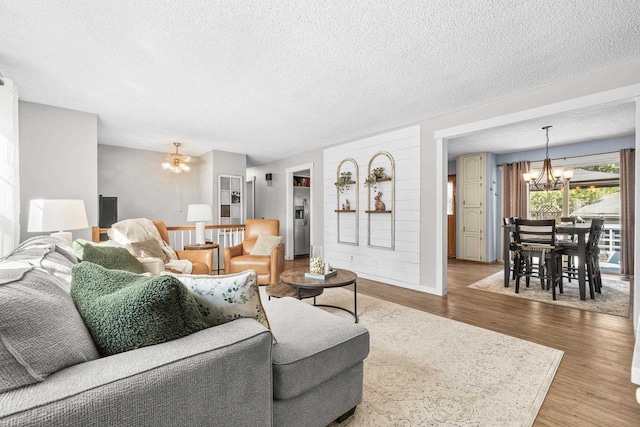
[176, 162]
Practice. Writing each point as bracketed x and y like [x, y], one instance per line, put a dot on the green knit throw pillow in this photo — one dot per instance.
[124, 311]
[112, 258]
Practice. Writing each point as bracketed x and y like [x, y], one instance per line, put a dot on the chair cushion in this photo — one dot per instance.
[124, 311]
[312, 345]
[567, 244]
[41, 331]
[261, 264]
[265, 244]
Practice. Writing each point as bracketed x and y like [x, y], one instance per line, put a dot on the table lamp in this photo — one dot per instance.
[57, 215]
[199, 214]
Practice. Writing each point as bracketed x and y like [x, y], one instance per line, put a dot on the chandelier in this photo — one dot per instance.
[177, 163]
[548, 178]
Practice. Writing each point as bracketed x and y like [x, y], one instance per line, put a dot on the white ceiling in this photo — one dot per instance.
[602, 122]
[276, 78]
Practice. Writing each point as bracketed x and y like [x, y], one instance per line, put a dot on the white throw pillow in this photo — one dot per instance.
[265, 244]
[222, 299]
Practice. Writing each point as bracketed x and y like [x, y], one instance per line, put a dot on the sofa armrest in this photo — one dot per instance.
[198, 257]
[221, 375]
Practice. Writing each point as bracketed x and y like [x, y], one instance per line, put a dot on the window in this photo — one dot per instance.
[9, 175]
[230, 199]
[593, 192]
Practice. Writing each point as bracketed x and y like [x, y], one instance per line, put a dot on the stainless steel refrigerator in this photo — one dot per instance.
[301, 228]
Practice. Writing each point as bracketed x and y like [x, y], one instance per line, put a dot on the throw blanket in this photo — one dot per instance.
[142, 229]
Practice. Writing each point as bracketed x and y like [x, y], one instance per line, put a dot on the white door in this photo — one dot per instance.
[472, 218]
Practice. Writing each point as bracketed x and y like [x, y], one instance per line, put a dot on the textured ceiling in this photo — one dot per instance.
[275, 78]
[589, 124]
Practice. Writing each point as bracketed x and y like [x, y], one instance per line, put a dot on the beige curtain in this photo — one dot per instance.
[514, 190]
[627, 206]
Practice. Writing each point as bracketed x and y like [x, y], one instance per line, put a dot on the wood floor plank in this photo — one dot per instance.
[592, 386]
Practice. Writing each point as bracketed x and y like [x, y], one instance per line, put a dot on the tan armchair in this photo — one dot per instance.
[202, 260]
[238, 258]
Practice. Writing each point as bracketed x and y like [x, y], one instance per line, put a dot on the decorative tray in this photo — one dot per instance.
[320, 276]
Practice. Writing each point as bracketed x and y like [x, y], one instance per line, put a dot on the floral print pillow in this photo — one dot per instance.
[222, 299]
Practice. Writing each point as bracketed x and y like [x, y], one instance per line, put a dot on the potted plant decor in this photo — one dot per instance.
[343, 182]
[373, 177]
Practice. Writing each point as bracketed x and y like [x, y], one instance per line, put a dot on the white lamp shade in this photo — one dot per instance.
[57, 215]
[199, 213]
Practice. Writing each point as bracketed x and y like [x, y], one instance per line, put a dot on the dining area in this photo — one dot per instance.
[554, 253]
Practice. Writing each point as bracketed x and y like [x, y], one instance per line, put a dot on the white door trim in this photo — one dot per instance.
[288, 248]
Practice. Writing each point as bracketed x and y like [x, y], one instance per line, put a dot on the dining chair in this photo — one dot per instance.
[536, 240]
[513, 249]
[563, 238]
[592, 261]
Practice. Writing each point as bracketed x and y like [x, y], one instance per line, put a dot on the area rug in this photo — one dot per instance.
[426, 370]
[614, 298]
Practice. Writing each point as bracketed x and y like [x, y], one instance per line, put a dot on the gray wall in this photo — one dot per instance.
[145, 190]
[58, 160]
[271, 201]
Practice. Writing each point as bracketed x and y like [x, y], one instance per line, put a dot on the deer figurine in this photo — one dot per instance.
[379, 204]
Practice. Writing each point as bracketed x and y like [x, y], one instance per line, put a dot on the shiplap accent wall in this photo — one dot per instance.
[400, 267]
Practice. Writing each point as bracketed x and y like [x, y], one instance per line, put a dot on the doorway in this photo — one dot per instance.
[444, 136]
[251, 199]
[301, 213]
[304, 174]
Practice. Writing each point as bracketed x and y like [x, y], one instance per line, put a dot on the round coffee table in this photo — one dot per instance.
[280, 290]
[295, 278]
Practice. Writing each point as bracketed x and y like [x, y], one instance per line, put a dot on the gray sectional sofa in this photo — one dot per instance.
[234, 374]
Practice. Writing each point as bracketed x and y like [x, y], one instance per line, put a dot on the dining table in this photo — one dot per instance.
[579, 230]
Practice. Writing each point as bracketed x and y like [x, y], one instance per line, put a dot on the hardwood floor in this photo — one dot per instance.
[592, 385]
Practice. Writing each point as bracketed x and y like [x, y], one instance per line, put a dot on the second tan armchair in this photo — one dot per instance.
[238, 258]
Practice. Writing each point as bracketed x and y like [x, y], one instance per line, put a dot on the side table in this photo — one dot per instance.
[206, 247]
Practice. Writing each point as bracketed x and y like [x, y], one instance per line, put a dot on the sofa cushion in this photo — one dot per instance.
[312, 345]
[124, 311]
[260, 264]
[265, 243]
[222, 299]
[112, 258]
[41, 331]
[49, 253]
